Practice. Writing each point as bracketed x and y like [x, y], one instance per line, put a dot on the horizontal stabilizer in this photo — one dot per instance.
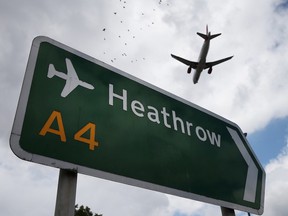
[215, 35]
[206, 37]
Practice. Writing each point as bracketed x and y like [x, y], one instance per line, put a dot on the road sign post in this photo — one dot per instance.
[66, 193]
[80, 114]
[227, 211]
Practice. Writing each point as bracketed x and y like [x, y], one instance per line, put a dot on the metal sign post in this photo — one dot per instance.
[66, 193]
[227, 211]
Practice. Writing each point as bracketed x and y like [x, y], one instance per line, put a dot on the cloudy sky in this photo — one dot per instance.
[137, 37]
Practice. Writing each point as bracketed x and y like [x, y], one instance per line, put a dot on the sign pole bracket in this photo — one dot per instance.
[227, 211]
[66, 193]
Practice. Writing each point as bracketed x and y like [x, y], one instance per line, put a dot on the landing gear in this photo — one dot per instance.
[210, 70]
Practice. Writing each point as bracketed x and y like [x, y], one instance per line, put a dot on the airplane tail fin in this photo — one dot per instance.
[51, 71]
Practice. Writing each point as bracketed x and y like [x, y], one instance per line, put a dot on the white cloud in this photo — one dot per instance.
[26, 188]
[250, 89]
[109, 198]
[256, 75]
[250, 80]
[277, 186]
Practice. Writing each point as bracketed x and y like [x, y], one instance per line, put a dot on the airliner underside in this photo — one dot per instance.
[202, 64]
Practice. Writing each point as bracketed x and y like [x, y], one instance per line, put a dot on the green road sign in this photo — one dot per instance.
[78, 113]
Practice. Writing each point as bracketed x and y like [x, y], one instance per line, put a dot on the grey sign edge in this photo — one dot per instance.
[21, 110]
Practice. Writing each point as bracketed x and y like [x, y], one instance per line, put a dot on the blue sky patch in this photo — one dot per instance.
[282, 6]
[268, 142]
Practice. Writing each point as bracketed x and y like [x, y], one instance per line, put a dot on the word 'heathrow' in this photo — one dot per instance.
[169, 120]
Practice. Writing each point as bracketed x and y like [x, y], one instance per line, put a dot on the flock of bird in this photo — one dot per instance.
[128, 34]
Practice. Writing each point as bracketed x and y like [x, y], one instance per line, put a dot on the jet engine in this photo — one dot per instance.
[210, 70]
[189, 70]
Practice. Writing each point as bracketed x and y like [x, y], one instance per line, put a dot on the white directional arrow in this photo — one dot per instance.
[252, 173]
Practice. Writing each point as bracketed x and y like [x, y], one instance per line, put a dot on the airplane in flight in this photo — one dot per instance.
[202, 64]
[72, 80]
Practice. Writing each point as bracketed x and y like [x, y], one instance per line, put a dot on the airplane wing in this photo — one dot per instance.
[210, 64]
[72, 80]
[186, 62]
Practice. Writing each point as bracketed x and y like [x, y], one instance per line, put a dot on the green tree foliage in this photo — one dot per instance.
[81, 211]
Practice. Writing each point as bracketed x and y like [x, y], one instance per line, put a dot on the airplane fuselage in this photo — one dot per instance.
[201, 60]
[202, 64]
